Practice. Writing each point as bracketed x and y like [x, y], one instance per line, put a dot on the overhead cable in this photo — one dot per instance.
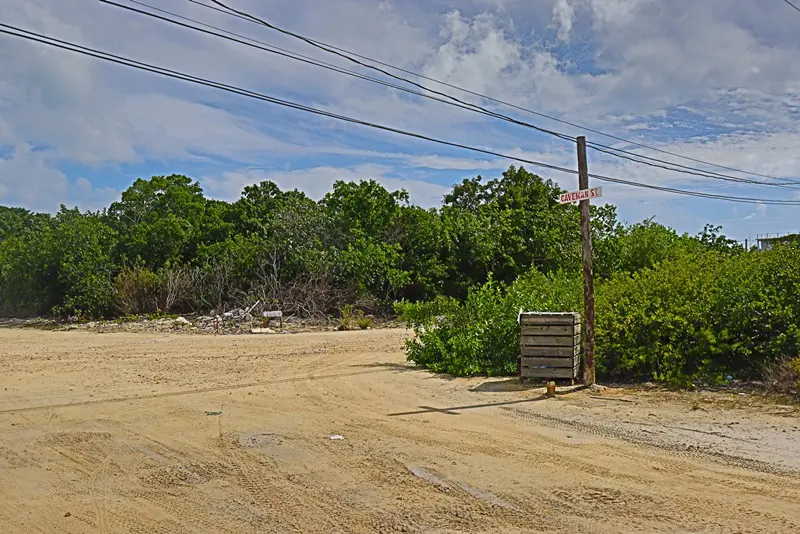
[241, 39]
[87, 51]
[223, 8]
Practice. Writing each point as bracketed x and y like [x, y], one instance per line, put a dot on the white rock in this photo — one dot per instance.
[262, 331]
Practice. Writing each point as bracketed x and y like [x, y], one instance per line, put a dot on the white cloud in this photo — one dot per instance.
[449, 163]
[318, 181]
[714, 80]
[26, 179]
[563, 15]
[616, 12]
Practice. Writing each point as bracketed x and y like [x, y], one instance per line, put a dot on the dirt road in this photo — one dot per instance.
[126, 433]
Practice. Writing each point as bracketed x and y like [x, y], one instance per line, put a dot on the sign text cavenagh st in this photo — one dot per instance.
[583, 194]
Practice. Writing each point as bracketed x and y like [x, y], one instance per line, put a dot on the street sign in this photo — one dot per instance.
[583, 194]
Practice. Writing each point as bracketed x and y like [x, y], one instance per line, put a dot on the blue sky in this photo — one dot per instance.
[715, 80]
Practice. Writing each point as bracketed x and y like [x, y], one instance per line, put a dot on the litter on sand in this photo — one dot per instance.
[336, 437]
[213, 413]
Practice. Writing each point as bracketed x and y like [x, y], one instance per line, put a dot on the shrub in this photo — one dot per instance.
[84, 250]
[350, 315]
[784, 376]
[28, 268]
[701, 316]
[346, 317]
[655, 324]
[61, 265]
[481, 336]
[136, 291]
[363, 321]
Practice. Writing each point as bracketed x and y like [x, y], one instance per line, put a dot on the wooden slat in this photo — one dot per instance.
[550, 314]
[550, 341]
[550, 330]
[550, 352]
[530, 372]
[550, 319]
[548, 362]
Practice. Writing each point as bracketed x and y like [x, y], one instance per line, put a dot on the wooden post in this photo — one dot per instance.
[588, 273]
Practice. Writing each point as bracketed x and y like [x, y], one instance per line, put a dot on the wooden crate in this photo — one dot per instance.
[550, 345]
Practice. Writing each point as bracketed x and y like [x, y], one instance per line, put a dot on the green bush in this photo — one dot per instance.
[86, 246]
[655, 324]
[700, 316]
[347, 313]
[481, 335]
[703, 315]
[136, 291]
[28, 270]
[363, 321]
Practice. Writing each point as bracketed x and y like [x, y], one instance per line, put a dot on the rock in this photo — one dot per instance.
[597, 387]
[262, 331]
[648, 385]
[68, 514]
[182, 321]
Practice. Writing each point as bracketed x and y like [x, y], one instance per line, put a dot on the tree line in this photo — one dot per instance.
[672, 307]
[165, 247]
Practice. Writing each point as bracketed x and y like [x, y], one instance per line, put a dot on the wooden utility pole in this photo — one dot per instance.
[588, 273]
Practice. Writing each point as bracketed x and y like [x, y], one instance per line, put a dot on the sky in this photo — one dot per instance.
[715, 80]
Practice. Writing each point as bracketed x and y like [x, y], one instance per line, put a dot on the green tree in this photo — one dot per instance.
[85, 245]
[29, 271]
[159, 220]
[13, 221]
[63, 266]
[506, 226]
[422, 249]
[365, 231]
[712, 238]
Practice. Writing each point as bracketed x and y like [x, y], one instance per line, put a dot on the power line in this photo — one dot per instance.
[87, 51]
[334, 49]
[791, 4]
[712, 196]
[306, 59]
[64, 45]
[348, 57]
[260, 45]
[638, 158]
[343, 55]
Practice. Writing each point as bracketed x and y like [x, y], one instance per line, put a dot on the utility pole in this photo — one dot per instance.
[588, 273]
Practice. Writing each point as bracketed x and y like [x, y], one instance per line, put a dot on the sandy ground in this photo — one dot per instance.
[153, 433]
